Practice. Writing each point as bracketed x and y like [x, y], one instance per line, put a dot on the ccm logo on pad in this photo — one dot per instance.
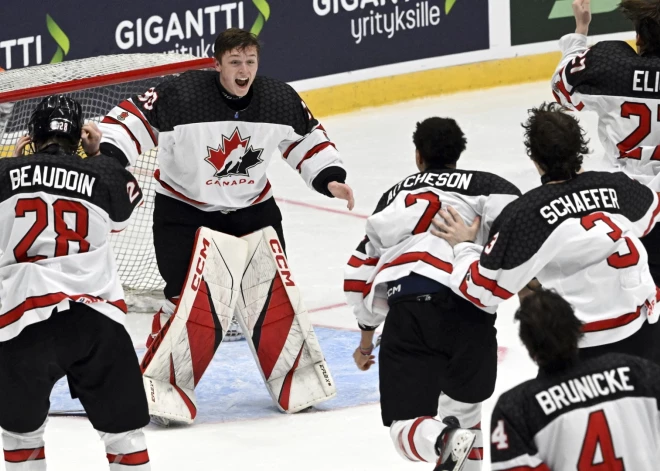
[199, 266]
[280, 259]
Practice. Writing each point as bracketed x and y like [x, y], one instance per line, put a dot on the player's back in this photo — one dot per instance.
[56, 212]
[623, 87]
[398, 240]
[582, 235]
[599, 414]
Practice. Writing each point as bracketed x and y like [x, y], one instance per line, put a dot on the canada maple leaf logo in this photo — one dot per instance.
[234, 156]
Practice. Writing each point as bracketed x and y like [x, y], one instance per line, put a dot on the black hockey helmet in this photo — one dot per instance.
[56, 115]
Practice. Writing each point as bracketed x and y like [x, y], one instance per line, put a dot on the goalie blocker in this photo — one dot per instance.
[250, 277]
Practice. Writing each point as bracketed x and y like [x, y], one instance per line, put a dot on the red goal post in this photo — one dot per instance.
[100, 83]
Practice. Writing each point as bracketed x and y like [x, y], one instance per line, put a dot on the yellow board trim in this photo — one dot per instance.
[383, 91]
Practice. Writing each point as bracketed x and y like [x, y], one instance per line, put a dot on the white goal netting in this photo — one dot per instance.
[99, 84]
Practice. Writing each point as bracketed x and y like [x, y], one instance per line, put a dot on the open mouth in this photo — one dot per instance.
[242, 82]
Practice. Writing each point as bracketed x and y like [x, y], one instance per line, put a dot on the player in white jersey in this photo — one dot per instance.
[622, 86]
[216, 132]
[62, 308]
[438, 354]
[578, 233]
[600, 414]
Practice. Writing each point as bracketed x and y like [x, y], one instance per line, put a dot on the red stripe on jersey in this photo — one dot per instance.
[541, 467]
[655, 214]
[121, 305]
[358, 262]
[111, 120]
[562, 87]
[129, 106]
[491, 285]
[263, 194]
[285, 393]
[26, 454]
[354, 286]
[33, 302]
[425, 257]
[189, 404]
[172, 190]
[291, 147]
[476, 454]
[313, 151]
[411, 437]
[130, 459]
[612, 323]
[275, 328]
[464, 289]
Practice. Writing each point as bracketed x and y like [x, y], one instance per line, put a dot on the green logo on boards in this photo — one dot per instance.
[449, 4]
[534, 21]
[60, 38]
[564, 8]
[264, 13]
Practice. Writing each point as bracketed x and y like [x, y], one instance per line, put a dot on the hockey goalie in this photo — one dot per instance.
[248, 277]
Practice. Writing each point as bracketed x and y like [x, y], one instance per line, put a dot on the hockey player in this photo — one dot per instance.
[62, 308]
[621, 85]
[216, 132]
[438, 353]
[578, 233]
[597, 414]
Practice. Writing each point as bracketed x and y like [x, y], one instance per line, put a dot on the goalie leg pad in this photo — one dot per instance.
[277, 326]
[183, 349]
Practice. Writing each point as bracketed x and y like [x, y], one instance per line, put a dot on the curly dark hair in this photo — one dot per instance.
[440, 141]
[645, 15]
[555, 141]
[549, 330]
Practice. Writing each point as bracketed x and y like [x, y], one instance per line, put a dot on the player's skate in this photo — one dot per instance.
[453, 445]
[234, 333]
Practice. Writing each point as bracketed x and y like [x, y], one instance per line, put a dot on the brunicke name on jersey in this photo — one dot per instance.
[584, 388]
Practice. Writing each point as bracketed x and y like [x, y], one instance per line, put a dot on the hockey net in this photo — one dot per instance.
[99, 84]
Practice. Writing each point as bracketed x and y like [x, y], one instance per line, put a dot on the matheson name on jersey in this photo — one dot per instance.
[579, 202]
[584, 388]
[51, 177]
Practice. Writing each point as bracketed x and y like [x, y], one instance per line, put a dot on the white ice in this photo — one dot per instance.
[377, 147]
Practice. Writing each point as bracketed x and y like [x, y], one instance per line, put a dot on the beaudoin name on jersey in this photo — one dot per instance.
[51, 177]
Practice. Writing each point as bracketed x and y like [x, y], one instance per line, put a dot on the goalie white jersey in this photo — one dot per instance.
[56, 213]
[601, 414]
[623, 88]
[398, 241]
[213, 157]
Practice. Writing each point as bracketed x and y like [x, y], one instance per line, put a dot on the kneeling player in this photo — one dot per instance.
[438, 354]
[62, 303]
[600, 413]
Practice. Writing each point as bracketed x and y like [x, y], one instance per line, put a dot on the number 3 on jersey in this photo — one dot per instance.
[63, 210]
[431, 210]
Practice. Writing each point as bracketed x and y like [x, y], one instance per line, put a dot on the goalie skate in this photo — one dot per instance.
[453, 446]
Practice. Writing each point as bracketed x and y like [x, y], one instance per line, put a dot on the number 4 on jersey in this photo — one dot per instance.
[598, 437]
